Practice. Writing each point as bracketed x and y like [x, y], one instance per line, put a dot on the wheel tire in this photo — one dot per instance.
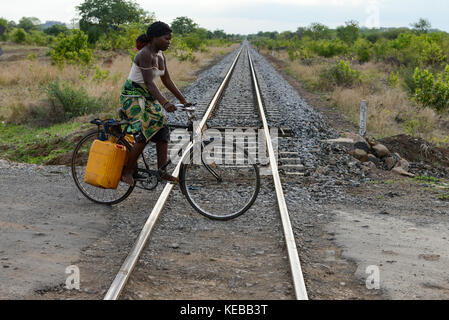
[189, 169]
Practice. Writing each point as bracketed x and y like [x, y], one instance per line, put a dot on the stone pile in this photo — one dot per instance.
[373, 154]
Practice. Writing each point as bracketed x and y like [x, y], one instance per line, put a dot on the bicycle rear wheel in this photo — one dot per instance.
[221, 189]
[95, 194]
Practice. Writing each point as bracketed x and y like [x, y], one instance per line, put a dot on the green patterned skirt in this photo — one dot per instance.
[143, 110]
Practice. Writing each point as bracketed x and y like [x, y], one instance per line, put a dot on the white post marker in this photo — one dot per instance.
[363, 112]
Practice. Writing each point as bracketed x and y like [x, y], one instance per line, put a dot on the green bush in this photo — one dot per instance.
[340, 75]
[71, 48]
[430, 90]
[38, 38]
[363, 50]
[18, 35]
[329, 48]
[432, 54]
[70, 102]
[100, 75]
[393, 79]
[181, 50]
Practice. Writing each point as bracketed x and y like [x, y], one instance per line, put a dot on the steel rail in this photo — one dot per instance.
[130, 262]
[295, 264]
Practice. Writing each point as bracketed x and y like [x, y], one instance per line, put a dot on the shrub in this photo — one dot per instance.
[362, 49]
[71, 102]
[181, 50]
[71, 48]
[340, 75]
[292, 54]
[18, 35]
[393, 79]
[430, 90]
[39, 38]
[330, 48]
[32, 56]
[100, 75]
[432, 54]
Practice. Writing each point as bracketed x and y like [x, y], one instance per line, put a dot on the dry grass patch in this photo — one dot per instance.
[391, 111]
[23, 82]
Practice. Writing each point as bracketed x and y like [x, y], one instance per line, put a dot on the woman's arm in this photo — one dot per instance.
[170, 85]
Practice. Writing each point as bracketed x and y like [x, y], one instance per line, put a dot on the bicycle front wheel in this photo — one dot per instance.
[223, 188]
[95, 194]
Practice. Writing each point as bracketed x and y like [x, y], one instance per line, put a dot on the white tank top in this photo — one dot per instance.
[136, 72]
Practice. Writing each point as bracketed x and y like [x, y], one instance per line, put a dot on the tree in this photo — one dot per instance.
[29, 23]
[56, 29]
[300, 32]
[219, 34]
[183, 25]
[422, 26]
[107, 14]
[286, 35]
[318, 31]
[3, 27]
[12, 24]
[350, 32]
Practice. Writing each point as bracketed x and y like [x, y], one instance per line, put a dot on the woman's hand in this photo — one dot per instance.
[170, 107]
[186, 104]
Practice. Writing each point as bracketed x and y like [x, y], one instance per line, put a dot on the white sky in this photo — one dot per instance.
[251, 16]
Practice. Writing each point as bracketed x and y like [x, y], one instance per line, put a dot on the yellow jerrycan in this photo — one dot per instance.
[105, 164]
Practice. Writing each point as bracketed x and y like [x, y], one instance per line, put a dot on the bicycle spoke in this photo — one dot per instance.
[96, 194]
[225, 198]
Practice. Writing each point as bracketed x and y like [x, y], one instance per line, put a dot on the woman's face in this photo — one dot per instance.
[164, 42]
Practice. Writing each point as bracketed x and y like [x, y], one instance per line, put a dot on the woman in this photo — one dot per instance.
[142, 100]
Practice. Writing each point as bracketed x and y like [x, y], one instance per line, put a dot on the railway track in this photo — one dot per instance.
[237, 104]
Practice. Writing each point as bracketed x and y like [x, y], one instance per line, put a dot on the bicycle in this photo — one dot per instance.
[219, 190]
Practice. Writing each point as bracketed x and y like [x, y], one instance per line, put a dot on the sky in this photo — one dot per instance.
[251, 16]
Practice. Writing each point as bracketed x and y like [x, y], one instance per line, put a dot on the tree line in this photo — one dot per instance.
[109, 25]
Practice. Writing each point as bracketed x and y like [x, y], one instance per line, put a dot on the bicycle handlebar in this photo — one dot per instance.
[187, 109]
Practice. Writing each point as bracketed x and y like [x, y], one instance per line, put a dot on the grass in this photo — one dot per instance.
[427, 179]
[443, 197]
[22, 84]
[22, 143]
[390, 109]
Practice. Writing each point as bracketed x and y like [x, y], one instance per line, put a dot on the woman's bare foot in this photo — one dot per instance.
[128, 179]
[169, 178]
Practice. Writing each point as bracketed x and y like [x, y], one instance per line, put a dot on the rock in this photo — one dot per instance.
[390, 163]
[403, 164]
[402, 172]
[361, 155]
[346, 142]
[362, 145]
[174, 245]
[371, 164]
[373, 159]
[381, 151]
[372, 142]
[397, 156]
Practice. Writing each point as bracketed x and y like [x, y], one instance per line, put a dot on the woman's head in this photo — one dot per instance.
[159, 33]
